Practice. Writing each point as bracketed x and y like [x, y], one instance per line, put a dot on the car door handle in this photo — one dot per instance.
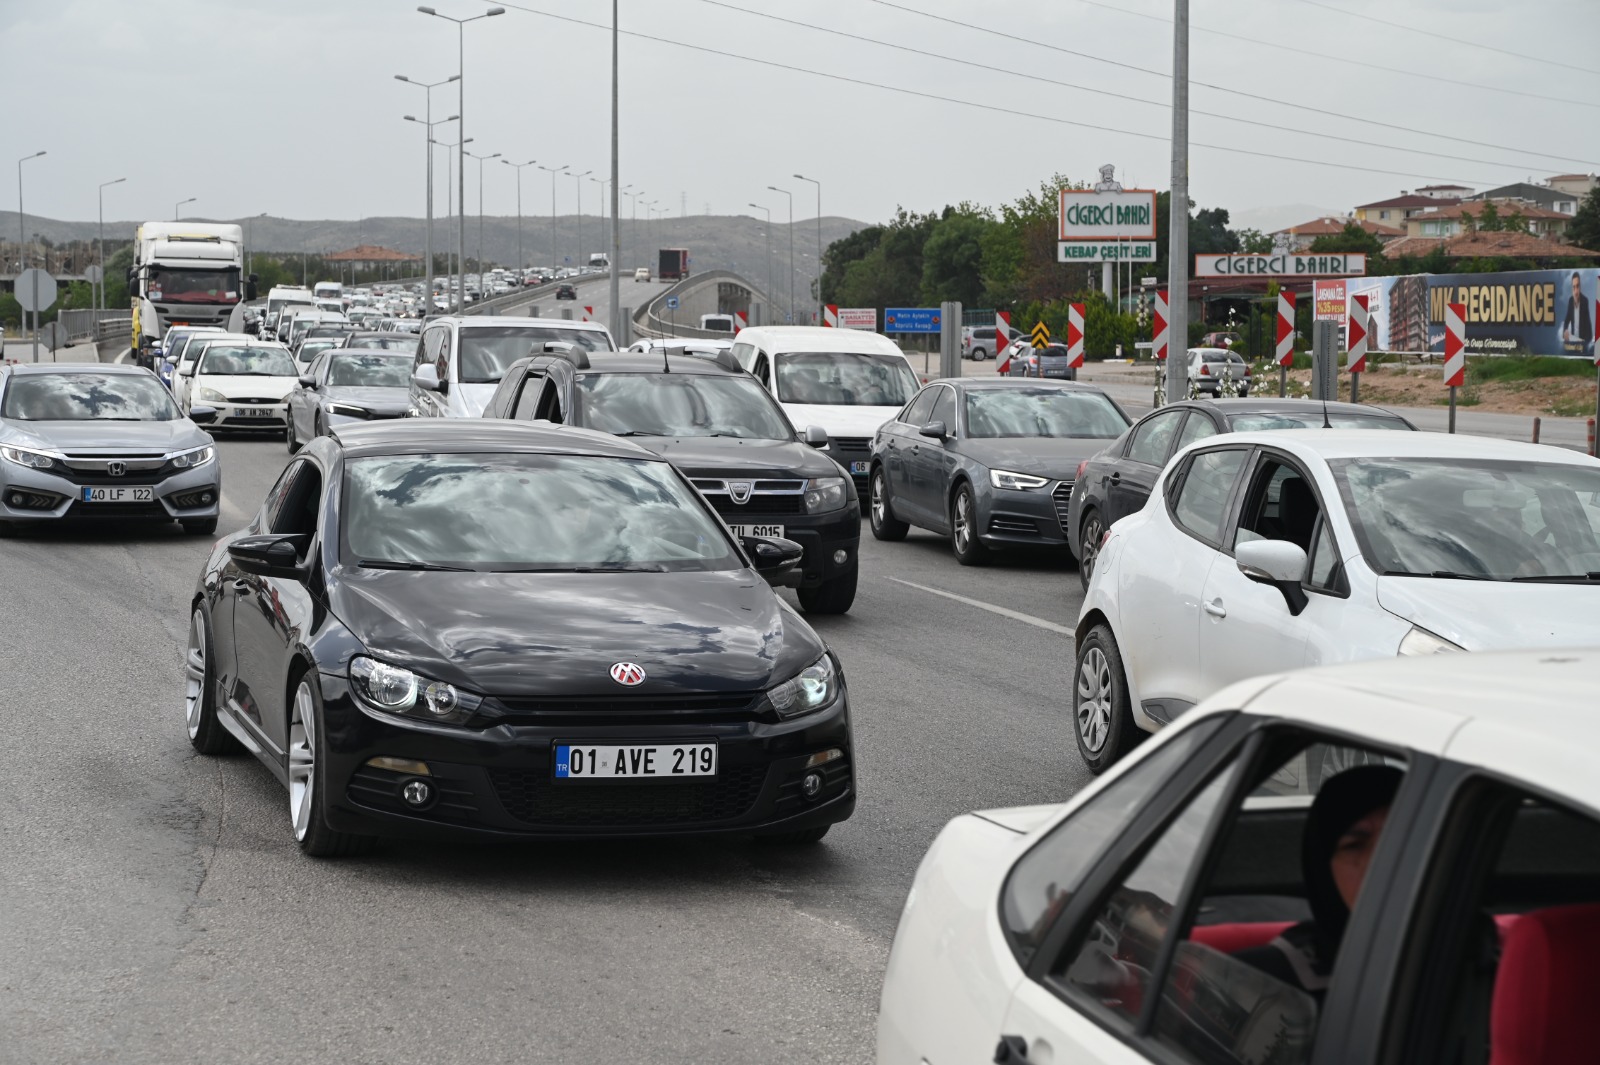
[1012, 1050]
[1116, 478]
[240, 585]
[1216, 609]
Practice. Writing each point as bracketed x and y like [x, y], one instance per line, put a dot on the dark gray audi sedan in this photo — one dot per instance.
[990, 462]
[107, 442]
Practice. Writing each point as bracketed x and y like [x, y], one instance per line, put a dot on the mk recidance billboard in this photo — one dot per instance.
[1522, 312]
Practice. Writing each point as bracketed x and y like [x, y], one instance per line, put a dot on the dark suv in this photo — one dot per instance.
[724, 432]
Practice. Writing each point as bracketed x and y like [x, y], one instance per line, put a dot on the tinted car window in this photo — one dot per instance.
[529, 513]
[1041, 412]
[378, 371]
[1152, 438]
[83, 397]
[844, 379]
[1202, 503]
[1249, 423]
[921, 410]
[669, 404]
[944, 408]
[486, 351]
[1198, 427]
[247, 362]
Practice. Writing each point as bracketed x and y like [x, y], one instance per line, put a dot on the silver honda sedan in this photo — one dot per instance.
[102, 442]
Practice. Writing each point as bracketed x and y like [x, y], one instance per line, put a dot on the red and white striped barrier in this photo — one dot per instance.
[1285, 328]
[1075, 335]
[741, 320]
[1158, 329]
[1357, 360]
[1455, 344]
[830, 315]
[1002, 331]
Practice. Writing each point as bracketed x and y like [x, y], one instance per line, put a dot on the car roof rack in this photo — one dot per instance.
[573, 353]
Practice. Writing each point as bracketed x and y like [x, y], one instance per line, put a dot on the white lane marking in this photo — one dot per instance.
[1014, 615]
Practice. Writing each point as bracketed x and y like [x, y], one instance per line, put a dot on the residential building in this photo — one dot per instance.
[1395, 210]
[1445, 192]
[1550, 199]
[1299, 238]
[1578, 185]
[1507, 245]
[1452, 221]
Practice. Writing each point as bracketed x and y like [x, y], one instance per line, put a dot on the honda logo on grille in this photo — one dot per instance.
[627, 674]
[739, 491]
[116, 469]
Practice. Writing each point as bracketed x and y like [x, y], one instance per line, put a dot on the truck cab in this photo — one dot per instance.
[187, 273]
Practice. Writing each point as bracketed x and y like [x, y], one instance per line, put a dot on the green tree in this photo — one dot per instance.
[1584, 229]
[1351, 239]
[952, 258]
[840, 254]
[1254, 242]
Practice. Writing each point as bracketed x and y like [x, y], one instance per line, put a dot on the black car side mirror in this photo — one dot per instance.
[934, 429]
[309, 382]
[270, 555]
[775, 558]
[202, 415]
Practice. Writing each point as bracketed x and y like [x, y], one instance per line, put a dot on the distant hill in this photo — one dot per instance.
[730, 242]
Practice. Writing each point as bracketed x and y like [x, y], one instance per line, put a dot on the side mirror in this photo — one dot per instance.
[775, 558]
[309, 382]
[271, 555]
[250, 287]
[426, 378]
[1278, 563]
[202, 415]
[187, 369]
[170, 360]
[936, 430]
[816, 436]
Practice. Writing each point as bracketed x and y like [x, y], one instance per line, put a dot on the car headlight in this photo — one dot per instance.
[825, 493]
[34, 460]
[187, 460]
[397, 690]
[1420, 641]
[1016, 481]
[345, 410]
[812, 688]
[211, 395]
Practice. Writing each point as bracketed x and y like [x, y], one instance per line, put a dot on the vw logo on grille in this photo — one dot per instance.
[739, 491]
[627, 674]
[116, 469]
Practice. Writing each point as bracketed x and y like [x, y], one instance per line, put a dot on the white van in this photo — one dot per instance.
[328, 290]
[460, 360]
[719, 323]
[846, 381]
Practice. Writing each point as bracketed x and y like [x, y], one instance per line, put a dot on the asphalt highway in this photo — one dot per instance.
[154, 907]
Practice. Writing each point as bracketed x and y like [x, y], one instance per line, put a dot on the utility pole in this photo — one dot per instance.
[786, 192]
[818, 184]
[553, 171]
[1178, 226]
[480, 159]
[428, 124]
[100, 240]
[522, 261]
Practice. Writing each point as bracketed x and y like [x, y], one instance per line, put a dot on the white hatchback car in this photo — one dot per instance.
[1391, 861]
[247, 382]
[1259, 552]
[460, 358]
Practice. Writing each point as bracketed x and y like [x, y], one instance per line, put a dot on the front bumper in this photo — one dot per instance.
[39, 496]
[499, 782]
[235, 414]
[1035, 517]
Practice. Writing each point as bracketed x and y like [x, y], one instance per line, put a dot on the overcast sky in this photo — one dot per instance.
[291, 108]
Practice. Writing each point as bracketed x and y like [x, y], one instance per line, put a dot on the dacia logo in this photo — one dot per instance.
[740, 491]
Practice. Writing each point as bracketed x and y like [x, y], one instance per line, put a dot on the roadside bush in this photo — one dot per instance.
[1526, 368]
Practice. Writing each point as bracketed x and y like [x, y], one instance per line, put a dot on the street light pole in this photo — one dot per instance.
[522, 262]
[100, 240]
[818, 184]
[1178, 224]
[768, 232]
[480, 159]
[553, 171]
[461, 158]
[615, 293]
[22, 250]
[577, 185]
[786, 192]
[180, 206]
[427, 238]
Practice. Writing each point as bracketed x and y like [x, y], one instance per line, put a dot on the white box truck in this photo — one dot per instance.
[186, 273]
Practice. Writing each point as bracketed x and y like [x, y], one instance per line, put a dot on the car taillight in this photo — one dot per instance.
[1205, 370]
[1079, 475]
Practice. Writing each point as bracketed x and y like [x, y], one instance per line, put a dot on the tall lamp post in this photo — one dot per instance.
[427, 128]
[459, 273]
[818, 184]
[22, 249]
[461, 146]
[577, 187]
[427, 235]
[768, 231]
[249, 250]
[633, 227]
[480, 159]
[786, 192]
[522, 263]
[180, 206]
[100, 240]
[553, 171]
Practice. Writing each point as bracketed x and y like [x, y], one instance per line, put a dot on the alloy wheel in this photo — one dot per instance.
[963, 522]
[1090, 551]
[1094, 699]
[302, 759]
[194, 682]
[879, 504]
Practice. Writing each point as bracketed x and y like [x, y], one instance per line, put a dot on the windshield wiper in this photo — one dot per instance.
[637, 432]
[400, 563]
[632, 567]
[1561, 578]
[1441, 574]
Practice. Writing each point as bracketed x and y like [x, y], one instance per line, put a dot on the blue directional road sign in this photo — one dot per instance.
[911, 320]
[672, 303]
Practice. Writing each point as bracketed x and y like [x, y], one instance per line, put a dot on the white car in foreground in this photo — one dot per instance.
[845, 381]
[1386, 861]
[1259, 552]
[248, 383]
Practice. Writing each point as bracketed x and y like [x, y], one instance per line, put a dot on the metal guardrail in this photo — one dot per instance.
[531, 292]
[90, 324]
[648, 322]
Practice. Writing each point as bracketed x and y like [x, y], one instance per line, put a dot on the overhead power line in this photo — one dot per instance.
[1054, 120]
[1162, 104]
[1542, 60]
[1303, 51]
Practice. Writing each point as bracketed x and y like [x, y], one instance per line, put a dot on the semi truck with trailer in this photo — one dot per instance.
[674, 265]
[186, 273]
